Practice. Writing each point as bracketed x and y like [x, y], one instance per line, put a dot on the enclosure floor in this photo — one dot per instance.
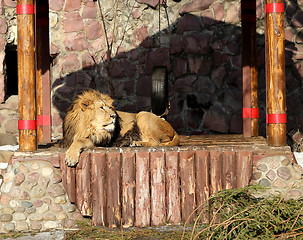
[235, 142]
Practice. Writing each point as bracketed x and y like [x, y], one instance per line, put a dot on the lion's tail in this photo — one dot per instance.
[174, 142]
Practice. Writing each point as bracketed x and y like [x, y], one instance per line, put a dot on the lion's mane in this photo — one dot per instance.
[78, 121]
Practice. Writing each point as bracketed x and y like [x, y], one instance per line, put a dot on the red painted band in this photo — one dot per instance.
[44, 120]
[274, 8]
[27, 124]
[276, 118]
[250, 113]
[25, 9]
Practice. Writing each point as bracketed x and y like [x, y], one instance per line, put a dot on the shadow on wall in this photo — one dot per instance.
[203, 58]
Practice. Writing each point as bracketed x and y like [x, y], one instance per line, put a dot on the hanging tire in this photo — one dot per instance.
[159, 94]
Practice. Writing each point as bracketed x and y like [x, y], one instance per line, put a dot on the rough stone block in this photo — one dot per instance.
[72, 5]
[122, 68]
[56, 5]
[75, 42]
[194, 6]
[72, 22]
[197, 43]
[180, 67]
[199, 65]
[90, 10]
[189, 23]
[93, 30]
[70, 63]
[216, 119]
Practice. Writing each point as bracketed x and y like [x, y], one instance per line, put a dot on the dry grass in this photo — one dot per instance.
[87, 231]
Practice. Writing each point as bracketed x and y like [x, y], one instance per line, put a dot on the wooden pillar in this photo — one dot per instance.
[26, 75]
[250, 112]
[43, 73]
[275, 73]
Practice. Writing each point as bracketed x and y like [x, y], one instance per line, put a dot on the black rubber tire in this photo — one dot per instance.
[159, 94]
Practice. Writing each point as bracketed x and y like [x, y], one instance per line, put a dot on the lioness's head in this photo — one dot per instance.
[92, 115]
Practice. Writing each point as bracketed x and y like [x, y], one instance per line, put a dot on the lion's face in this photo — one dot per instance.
[103, 116]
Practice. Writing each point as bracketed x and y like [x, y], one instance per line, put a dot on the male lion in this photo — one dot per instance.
[93, 121]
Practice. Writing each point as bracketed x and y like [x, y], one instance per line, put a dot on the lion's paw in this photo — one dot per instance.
[71, 158]
[136, 144]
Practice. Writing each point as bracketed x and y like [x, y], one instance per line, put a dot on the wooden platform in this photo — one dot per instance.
[151, 186]
[143, 186]
[233, 142]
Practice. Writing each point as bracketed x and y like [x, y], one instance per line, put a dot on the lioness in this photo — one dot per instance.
[93, 121]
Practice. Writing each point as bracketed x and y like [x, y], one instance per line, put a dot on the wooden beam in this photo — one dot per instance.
[43, 73]
[249, 69]
[275, 73]
[26, 75]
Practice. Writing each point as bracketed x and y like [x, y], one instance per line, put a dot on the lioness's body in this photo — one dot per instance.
[93, 121]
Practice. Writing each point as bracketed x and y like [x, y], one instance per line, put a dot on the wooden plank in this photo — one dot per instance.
[215, 171]
[63, 168]
[173, 200]
[158, 205]
[43, 73]
[229, 170]
[113, 182]
[83, 187]
[142, 199]
[68, 179]
[128, 188]
[202, 182]
[188, 195]
[244, 168]
[98, 178]
[249, 65]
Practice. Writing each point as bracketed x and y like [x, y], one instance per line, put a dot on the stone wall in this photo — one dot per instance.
[201, 48]
[33, 199]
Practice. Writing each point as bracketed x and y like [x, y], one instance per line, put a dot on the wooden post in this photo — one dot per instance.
[26, 75]
[98, 171]
[275, 73]
[42, 73]
[158, 205]
[215, 172]
[142, 198]
[113, 182]
[188, 186]
[128, 188]
[244, 168]
[229, 170]
[68, 178]
[250, 112]
[83, 186]
[173, 188]
[202, 184]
